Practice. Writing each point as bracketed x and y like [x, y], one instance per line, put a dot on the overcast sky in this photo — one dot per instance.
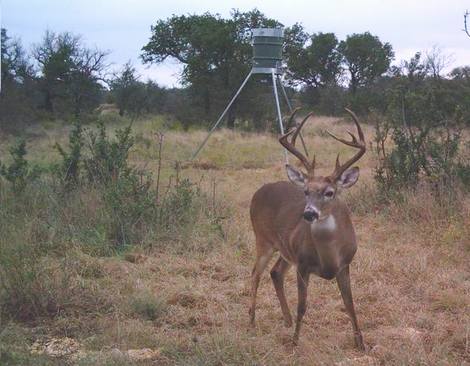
[123, 26]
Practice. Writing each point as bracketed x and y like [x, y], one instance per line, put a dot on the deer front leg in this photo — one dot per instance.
[302, 286]
[344, 284]
[277, 275]
[262, 260]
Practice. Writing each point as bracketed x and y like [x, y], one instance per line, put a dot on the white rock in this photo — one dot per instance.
[56, 347]
[143, 354]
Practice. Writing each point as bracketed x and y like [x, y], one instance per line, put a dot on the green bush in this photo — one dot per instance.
[69, 171]
[108, 158]
[425, 127]
[19, 172]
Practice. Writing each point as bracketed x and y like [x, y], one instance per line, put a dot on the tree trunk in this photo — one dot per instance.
[48, 102]
[231, 117]
[353, 84]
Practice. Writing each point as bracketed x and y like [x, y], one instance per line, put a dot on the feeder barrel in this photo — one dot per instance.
[267, 48]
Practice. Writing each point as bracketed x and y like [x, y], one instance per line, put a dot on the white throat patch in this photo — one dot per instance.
[326, 224]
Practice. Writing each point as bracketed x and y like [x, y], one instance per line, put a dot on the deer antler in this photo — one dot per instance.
[290, 145]
[361, 145]
[291, 118]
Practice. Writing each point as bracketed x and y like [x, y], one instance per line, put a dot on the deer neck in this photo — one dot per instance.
[324, 226]
[322, 239]
[322, 233]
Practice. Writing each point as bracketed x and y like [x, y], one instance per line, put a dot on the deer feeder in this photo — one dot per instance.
[267, 50]
[267, 59]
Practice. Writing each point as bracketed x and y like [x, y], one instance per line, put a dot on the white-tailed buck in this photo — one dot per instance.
[310, 227]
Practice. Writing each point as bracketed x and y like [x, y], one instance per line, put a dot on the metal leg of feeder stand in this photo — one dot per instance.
[290, 109]
[279, 116]
[284, 93]
[221, 116]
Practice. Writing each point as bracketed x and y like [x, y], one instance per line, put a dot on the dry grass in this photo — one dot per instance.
[411, 278]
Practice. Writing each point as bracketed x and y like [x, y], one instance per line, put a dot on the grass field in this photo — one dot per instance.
[410, 276]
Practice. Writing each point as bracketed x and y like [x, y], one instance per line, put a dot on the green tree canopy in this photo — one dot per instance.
[70, 72]
[314, 60]
[18, 84]
[15, 65]
[127, 91]
[366, 58]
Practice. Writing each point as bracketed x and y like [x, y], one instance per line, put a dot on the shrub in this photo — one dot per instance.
[69, 171]
[108, 159]
[426, 132]
[19, 172]
[131, 205]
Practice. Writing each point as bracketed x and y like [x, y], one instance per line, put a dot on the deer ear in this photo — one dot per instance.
[295, 176]
[349, 177]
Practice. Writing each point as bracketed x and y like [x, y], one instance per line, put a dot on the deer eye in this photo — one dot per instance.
[329, 194]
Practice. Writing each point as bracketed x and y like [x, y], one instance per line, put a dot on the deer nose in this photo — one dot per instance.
[310, 215]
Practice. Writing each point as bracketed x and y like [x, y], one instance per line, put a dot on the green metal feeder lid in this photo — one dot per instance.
[267, 49]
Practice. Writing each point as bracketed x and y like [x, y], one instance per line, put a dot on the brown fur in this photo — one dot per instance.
[325, 245]
[276, 215]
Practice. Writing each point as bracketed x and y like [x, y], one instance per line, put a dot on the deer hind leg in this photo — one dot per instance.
[302, 286]
[277, 275]
[263, 255]
[344, 284]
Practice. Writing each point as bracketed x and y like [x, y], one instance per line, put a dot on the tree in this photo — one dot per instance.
[155, 97]
[15, 65]
[316, 64]
[437, 61]
[414, 69]
[18, 84]
[366, 58]
[128, 92]
[215, 53]
[70, 72]
[461, 73]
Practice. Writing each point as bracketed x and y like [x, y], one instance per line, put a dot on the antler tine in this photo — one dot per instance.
[361, 145]
[297, 131]
[290, 146]
[356, 122]
[292, 149]
[291, 118]
[352, 143]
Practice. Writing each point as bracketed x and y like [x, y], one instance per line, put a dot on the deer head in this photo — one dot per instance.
[321, 192]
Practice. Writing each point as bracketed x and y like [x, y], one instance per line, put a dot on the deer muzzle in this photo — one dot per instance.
[311, 215]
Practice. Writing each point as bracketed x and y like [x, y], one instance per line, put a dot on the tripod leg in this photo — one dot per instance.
[221, 116]
[284, 93]
[279, 116]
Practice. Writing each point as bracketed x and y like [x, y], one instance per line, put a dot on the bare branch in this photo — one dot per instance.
[465, 17]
